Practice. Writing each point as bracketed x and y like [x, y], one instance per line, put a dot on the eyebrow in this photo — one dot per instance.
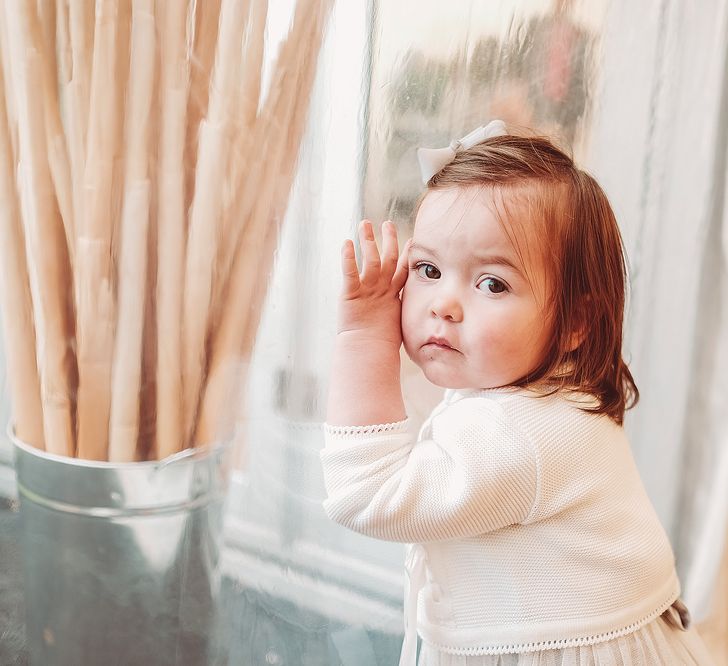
[480, 259]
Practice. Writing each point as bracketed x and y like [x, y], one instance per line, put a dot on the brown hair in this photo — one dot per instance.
[583, 254]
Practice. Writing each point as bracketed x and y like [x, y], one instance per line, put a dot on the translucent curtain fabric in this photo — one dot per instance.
[659, 147]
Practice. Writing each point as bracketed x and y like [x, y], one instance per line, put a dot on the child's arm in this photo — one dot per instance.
[481, 474]
[364, 386]
[378, 481]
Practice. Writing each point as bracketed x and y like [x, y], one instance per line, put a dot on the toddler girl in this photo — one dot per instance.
[532, 539]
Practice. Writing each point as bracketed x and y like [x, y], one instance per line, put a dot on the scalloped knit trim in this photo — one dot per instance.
[353, 431]
[562, 642]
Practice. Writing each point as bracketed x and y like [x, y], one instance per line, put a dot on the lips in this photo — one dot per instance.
[439, 343]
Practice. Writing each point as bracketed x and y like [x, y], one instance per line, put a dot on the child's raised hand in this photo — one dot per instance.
[370, 307]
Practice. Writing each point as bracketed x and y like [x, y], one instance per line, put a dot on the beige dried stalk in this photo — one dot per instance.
[132, 274]
[64, 57]
[172, 227]
[9, 88]
[233, 339]
[248, 100]
[46, 250]
[229, 362]
[40, 32]
[76, 93]
[95, 302]
[247, 182]
[203, 25]
[252, 69]
[205, 215]
[46, 15]
[18, 328]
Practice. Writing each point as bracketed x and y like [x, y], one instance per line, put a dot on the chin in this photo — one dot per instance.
[448, 379]
[444, 379]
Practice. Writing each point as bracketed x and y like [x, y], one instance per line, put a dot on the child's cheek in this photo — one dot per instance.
[408, 324]
[500, 336]
[511, 343]
[412, 317]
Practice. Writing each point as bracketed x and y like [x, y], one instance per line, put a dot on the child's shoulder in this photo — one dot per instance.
[554, 427]
[542, 396]
[541, 409]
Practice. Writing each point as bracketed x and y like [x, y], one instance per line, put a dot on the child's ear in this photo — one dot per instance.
[580, 326]
[575, 339]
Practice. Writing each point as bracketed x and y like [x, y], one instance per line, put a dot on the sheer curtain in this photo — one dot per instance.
[660, 149]
[643, 109]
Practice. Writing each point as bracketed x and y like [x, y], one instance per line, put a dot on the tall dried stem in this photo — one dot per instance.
[132, 276]
[203, 25]
[94, 287]
[15, 301]
[233, 338]
[77, 91]
[172, 228]
[204, 229]
[46, 250]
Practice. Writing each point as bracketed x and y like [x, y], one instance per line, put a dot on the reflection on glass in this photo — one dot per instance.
[439, 72]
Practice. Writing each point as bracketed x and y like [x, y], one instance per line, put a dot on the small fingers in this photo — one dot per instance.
[371, 266]
[402, 270]
[349, 268]
[389, 250]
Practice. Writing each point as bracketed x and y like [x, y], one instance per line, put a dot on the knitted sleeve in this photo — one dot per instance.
[476, 474]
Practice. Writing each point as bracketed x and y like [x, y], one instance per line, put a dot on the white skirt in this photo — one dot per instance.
[660, 642]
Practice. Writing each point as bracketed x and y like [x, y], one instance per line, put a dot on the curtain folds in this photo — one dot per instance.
[659, 147]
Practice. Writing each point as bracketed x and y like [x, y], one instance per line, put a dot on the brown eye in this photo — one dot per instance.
[492, 285]
[428, 271]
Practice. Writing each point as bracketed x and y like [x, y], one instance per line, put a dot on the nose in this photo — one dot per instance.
[446, 305]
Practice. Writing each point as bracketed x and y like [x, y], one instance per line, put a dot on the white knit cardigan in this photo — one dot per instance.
[531, 527]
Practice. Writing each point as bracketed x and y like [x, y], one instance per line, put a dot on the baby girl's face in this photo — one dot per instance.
[472, 317]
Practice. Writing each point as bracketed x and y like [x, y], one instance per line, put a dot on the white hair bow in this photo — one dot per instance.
[433, 159]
